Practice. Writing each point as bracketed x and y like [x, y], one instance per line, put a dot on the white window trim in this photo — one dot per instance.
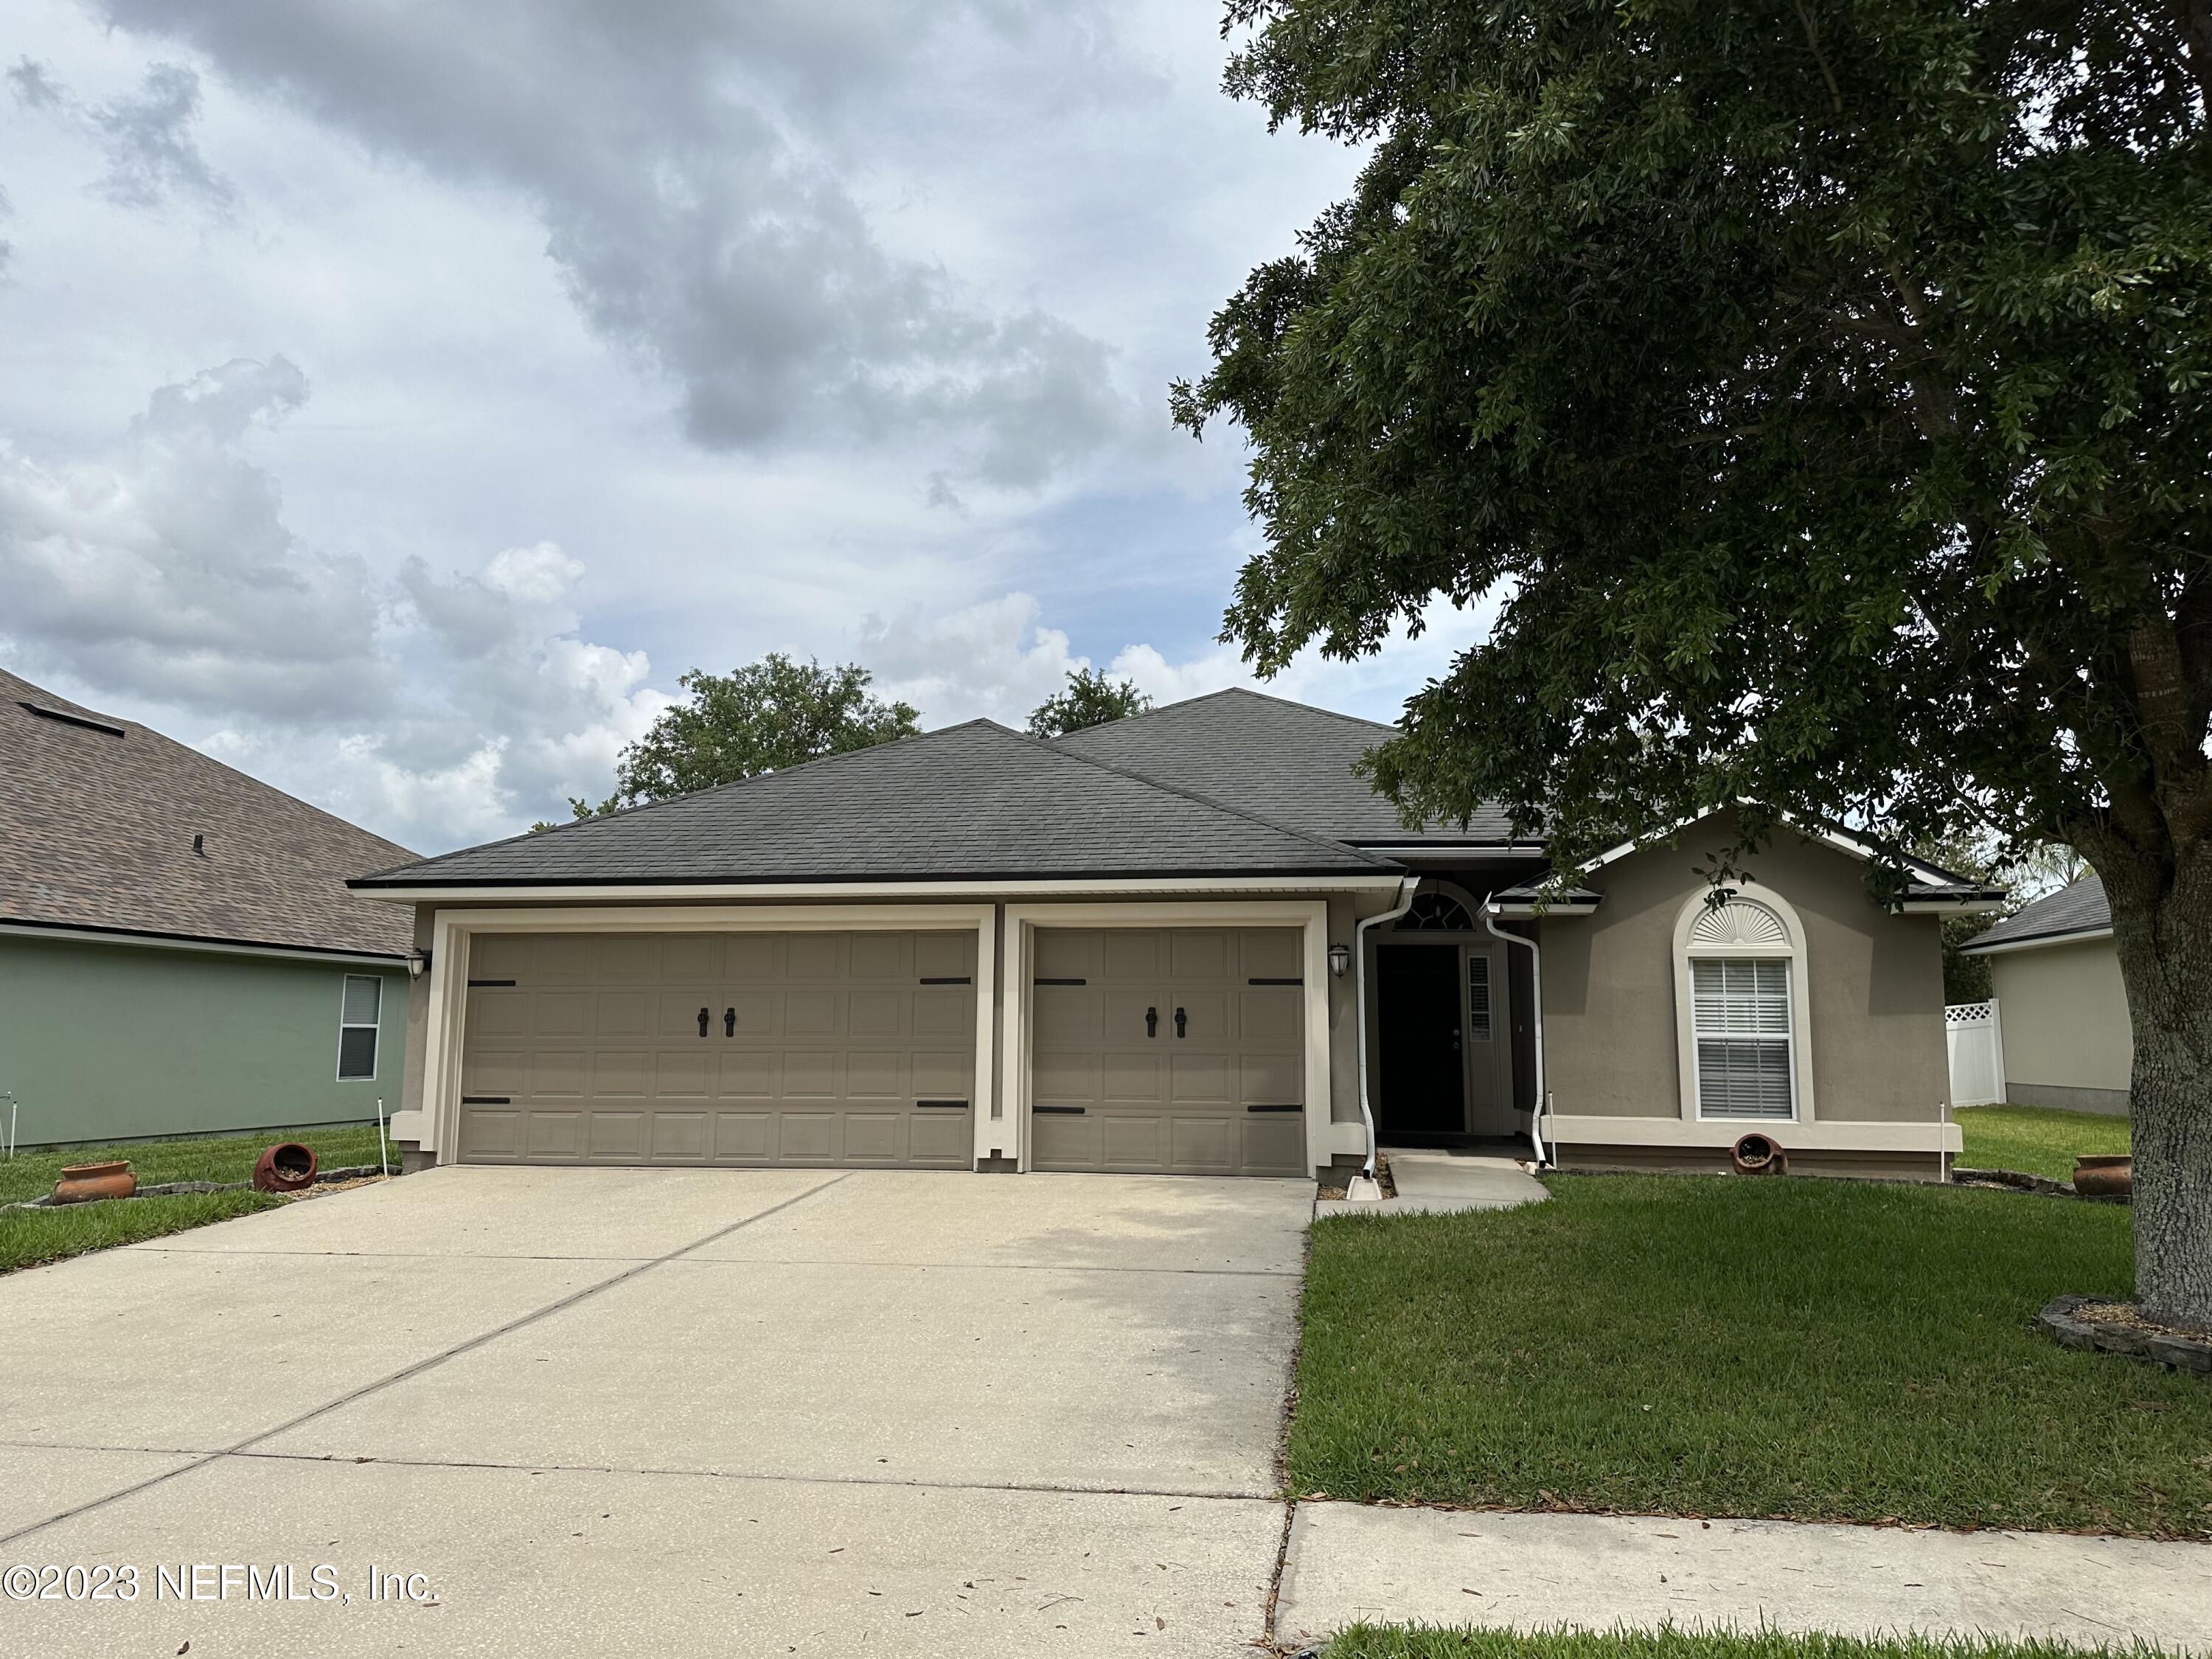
[376, 1053]
[1800, 1021]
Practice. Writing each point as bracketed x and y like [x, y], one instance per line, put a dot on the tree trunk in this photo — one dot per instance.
[2162, 930]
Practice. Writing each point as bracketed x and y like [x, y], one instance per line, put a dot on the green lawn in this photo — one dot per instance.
[30, 1236]
[2036, 1139]
[1399, 1642]
[1711, 1345]
[158, 1161]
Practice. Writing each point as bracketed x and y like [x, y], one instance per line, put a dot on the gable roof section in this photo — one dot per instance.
[1285, 761]
[2079, 910]
[97, 817]
[967, 802]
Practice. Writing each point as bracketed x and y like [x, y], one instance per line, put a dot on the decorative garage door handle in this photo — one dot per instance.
[1151, 1022]
[1180, 1028]
[729, 1022]
[702, 1022]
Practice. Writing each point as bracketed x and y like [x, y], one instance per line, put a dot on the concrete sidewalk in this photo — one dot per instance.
[1348, 1562]
[1445, 1184]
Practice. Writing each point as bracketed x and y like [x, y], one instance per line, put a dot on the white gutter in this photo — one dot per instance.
[829, 891]
[1359, 989]
[1536, 996]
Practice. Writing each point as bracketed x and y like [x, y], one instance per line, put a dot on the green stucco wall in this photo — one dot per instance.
[102, 1042]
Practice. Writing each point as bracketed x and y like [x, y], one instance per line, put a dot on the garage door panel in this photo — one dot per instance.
[744, 1137]
[815, 955]
[874, 1075]
[1202, 1143]
[818, 1049]
[558, 1136]
[1270, 1080]
[615, 1135]
[683, 1074]
[1157, 1101]
[744, 1074]
[1274, 1145]
[811, 1074]
[944, 1076]
[679, 1137]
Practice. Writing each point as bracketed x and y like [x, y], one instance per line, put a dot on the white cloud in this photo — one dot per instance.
[159, 574]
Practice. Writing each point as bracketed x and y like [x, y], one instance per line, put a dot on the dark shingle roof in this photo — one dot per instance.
[2079, 908]
[1282, 760]
[972, 801]
[97, 817]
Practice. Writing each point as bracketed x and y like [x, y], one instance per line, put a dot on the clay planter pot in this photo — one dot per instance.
[81, 1183]
[287, 1167]
[2108, 1176]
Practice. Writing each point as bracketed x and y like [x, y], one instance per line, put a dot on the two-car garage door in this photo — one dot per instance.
[1153, 1050]
[821, 1048]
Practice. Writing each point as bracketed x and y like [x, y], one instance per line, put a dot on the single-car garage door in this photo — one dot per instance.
[1172, 1050]
[732, 1048]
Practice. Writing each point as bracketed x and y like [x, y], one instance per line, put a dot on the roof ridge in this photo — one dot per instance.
[1052, 747]
[1228, 692]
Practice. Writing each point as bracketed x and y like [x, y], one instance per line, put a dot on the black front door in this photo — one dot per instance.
[1423, 1079]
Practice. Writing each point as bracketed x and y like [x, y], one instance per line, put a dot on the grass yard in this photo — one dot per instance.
[28, 1238]
[1399, 1642]
[1822, 1350]
[2036, 1139]
[158, 1161]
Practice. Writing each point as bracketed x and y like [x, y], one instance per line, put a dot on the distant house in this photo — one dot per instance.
[2061, 1007]
[179, 951]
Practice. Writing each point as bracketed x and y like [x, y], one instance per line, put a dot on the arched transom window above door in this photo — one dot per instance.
[1435, 911]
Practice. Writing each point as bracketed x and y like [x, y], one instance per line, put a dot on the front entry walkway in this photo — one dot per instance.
[668, 1411]
[1349, 1563]
[1443, 1183]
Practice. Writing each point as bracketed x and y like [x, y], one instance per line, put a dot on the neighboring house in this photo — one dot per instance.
[1143, 947]
[2062, 1011]
[179, 953]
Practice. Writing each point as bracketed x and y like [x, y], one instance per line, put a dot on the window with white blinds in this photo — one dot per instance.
[1478, 997]
[1741, 1012]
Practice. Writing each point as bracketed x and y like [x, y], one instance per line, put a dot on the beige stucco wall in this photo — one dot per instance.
[2064, 1015]
[1874, 985]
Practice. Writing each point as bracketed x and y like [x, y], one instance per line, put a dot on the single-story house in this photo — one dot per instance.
[2062, 1012]
[1193, 940]
[178, 952]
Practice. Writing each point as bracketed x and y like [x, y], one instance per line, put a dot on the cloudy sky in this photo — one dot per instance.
[394, 408]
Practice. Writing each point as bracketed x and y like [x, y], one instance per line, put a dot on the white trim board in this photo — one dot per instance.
[1828, 1135]
[825, 892]
[395, 963]
[2080, 936]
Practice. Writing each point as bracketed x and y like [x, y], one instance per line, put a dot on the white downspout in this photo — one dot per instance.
[1359, 989]
[1536, 996]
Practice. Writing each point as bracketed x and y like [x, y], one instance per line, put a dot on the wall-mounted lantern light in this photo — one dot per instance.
[1340, 958]
[418, 963]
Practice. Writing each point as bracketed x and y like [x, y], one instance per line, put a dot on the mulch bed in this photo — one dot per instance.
[2087, 1322]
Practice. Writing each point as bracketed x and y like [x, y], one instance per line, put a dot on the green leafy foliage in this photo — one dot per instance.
[1089, 699]
[763, 717]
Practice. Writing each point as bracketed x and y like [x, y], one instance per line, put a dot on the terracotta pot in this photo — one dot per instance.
[2112, 1175]
[1759, 1155]
[287, 1167]
[81, 1183]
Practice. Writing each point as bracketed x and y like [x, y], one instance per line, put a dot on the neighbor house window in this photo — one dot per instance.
[1742, 1019]
[360, 1008]
[1740, 1004]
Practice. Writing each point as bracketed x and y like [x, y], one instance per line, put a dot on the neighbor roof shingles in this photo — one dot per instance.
[971, 801]
[96, 832]
[2078, 908]
[1284, 761]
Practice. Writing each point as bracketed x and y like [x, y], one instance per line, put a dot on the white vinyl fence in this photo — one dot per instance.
[1976, 1045]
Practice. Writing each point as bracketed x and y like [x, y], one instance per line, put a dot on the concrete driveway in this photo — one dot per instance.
[665, 1412]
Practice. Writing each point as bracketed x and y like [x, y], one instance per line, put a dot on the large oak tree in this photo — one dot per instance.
[1824, 386]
